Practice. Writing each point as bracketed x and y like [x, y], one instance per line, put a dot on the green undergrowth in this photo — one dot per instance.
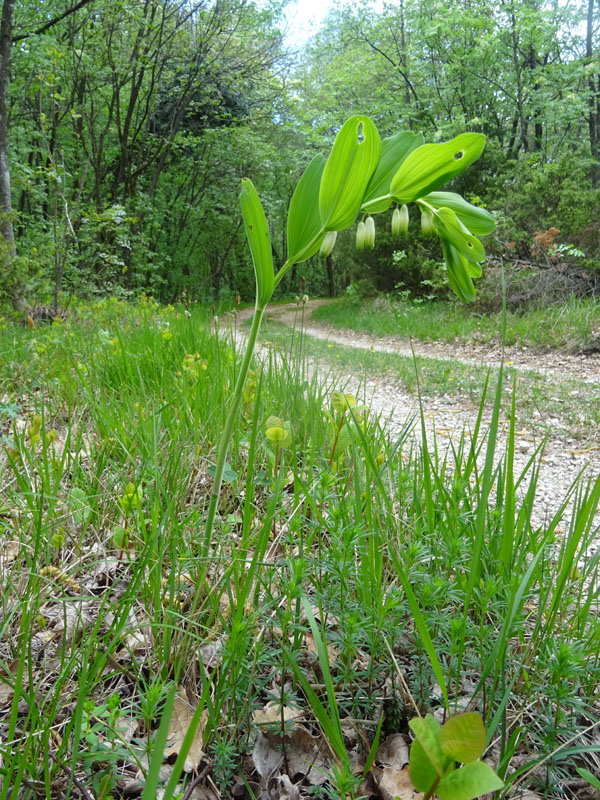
[419, 568]
[571, 326]
[568, 408]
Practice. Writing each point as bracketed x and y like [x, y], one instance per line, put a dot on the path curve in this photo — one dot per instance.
[447, 416]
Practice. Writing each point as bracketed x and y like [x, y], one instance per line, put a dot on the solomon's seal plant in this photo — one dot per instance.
[363, 176]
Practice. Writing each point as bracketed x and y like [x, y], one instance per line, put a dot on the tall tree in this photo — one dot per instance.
[594, 94]
[15, 286]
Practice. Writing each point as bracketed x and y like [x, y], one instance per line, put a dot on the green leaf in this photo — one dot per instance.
[259, 240]
[304, 220]
[457, 235]
[427, 732]
[229, 476]
[394, 150]
[421, 771]
[430, 166]
[459, 276]
[351, 163]
[468, 782]
[79, 505]
[463, 737]
[591, 779]
[477, 220]
[153, 777]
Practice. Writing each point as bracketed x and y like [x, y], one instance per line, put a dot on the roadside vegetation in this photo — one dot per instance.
[573, 325]
[221, 574]
[109, 420]
[567, 405]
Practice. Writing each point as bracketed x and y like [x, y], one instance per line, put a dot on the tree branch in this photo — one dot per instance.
[51, 23]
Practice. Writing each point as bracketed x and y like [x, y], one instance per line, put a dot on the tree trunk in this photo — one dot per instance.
[594, 100]
[6, 213]
[330, 276]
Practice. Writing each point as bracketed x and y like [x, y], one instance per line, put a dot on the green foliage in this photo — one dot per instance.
[353, 159]
[126, 410]
[259, 241]
[432, 165]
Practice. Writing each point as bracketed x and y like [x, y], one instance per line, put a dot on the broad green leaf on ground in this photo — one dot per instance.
[394, 150]
[259, 240]
[427, 732]
[422, 772]
[430, 166]
[79, 506]
[351, 163]
[229, 475]
[463, 737]
[468, 782]
[477, 220]
[304, 220]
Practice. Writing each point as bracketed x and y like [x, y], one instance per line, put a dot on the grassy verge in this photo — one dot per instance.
[572, 406]
[571, 326]
[311, 628]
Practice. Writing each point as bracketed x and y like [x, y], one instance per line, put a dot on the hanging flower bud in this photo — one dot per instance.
[400, 220]
[427, 226]
[370, 233]
[328, 243]
[360, 235]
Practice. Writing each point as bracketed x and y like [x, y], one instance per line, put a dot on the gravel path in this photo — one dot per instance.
[446, 416]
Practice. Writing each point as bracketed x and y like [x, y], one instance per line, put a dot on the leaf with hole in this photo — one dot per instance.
[450, 229]
[352, 161]
[229, 476]
[430, 166]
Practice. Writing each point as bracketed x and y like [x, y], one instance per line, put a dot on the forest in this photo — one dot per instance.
[299, 400]
[129, 126]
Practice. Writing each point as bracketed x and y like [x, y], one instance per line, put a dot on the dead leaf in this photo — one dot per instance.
[7, 692]
[178, 727]
[265, 758]
[9, 553]
[393, 752]
[287, 790]
[332, 652]
[308, 756]
[210, 653]
[71, 619]
[270, 719]
[394, 783]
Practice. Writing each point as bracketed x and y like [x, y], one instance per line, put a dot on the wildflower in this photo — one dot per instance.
[370, 233]
[427, 226]
[341, 402]
[360, 236]
[400, 220]
[278, 431]
[131, 499]
[328, 243]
